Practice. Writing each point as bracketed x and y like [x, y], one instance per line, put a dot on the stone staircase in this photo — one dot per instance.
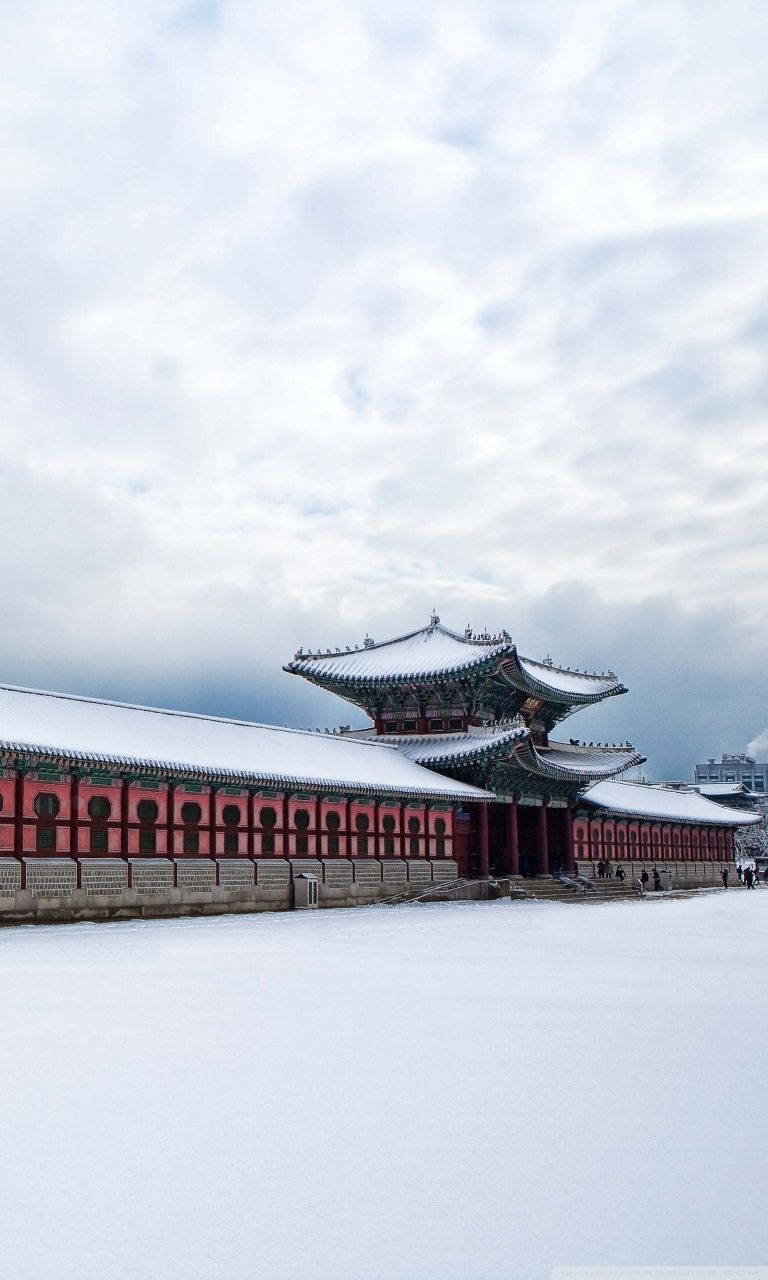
[547, 889]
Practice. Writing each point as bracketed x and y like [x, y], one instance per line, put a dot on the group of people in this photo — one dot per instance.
[748, 875]
[606, 872]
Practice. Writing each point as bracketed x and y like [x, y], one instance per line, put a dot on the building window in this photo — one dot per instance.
[301, 819]
[455, 723]
[191, 813]
[191, 842]
[147, 811]
[391, 726]
[268, 818]
[332, 821]
[302, 844]
[231, 815]
[362, 844]
[333, 844]
[414, 826]
[362, 822]
[409, 726]
[99, 807]
[46, 839]
[98, 840]
[147, 841]
[268, 842]
[46, 805]
[436, 725]
[440, 837]
[388, 825]
[230, 842]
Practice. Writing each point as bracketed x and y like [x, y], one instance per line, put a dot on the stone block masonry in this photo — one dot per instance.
[45, 890]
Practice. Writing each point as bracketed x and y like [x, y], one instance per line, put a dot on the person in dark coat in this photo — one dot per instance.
[749, 876]
[601, 870]
[644, 878]
[724, 874]
[656, 879]
[740, 871]
[620, 873]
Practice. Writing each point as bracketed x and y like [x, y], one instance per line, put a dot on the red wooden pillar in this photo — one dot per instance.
[542, 851]
[513, 843]
[570, 852]
[348, 819]
[74, 798]
[484, 866]
[170, 815]
[318, 826]
[286, 836]
[250, 819]
[212, 828]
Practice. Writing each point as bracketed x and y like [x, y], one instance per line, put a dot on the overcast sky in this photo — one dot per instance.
[316, 317]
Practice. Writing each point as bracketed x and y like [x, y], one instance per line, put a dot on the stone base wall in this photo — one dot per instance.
[66, 889]
[683, 875]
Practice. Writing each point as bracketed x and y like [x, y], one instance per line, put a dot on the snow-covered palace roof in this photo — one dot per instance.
[662, 804]
[77, 729]
[434, 651]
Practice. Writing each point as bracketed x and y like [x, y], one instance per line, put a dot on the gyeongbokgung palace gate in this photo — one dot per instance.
[108, 809]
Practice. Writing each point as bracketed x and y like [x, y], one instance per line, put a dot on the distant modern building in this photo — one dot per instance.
[731, 769]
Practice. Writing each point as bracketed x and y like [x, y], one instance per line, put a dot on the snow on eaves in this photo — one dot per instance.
[639, 800]
[433, 650]
[122, 735]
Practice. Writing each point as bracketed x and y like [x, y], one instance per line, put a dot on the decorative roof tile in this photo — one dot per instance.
[662, 804]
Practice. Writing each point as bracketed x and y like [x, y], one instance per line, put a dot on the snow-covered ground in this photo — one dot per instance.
[474, 1091]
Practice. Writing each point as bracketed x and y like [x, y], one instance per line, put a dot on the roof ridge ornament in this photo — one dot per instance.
[434, 620]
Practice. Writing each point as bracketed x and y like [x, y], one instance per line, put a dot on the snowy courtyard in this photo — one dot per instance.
[478, 1091]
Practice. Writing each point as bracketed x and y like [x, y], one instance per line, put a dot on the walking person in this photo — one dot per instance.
[740, 872]
[601, 870]
[620, 873]
[749, 877]
[724, 874]
[644, 878]
[656, 879]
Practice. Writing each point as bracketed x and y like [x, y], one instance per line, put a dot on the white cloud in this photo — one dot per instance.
[327, 315]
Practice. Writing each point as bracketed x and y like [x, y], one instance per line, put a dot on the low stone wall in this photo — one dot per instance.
[683, 875]
[65, 889]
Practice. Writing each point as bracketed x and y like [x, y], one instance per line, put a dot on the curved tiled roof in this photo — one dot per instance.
[557, 684]
[662, 804]
[70, 728]
[431, 651]
[568, 761]
[438, 749]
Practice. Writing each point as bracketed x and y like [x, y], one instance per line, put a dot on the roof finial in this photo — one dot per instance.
[368, 641]
[433, 619]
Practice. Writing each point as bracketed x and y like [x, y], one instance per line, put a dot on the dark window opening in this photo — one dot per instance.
[268, 842]
[230, 842]
[409, 726]
[191, 813]
[391, 726]
[268, 818]
[99, 807]
[302, 844]
[46, 805]
[46, 838]
[414, 825]
[231, 815]
[333, 844]
[389, 845]
[439, 826]
[388, 823]
[440, 846]
[147, 811]
[362, 844]
[98, 840]
[191, 843]
[301, 819]
[147, 841]
[333, 821]
[436, 724]
[413, 846]
[362, 822]
[455, 722]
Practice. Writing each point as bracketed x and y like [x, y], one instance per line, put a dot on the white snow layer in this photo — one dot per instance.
[576, 682]
[115, 731]
[642, 801]
[431, 650]
[479, 1092]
